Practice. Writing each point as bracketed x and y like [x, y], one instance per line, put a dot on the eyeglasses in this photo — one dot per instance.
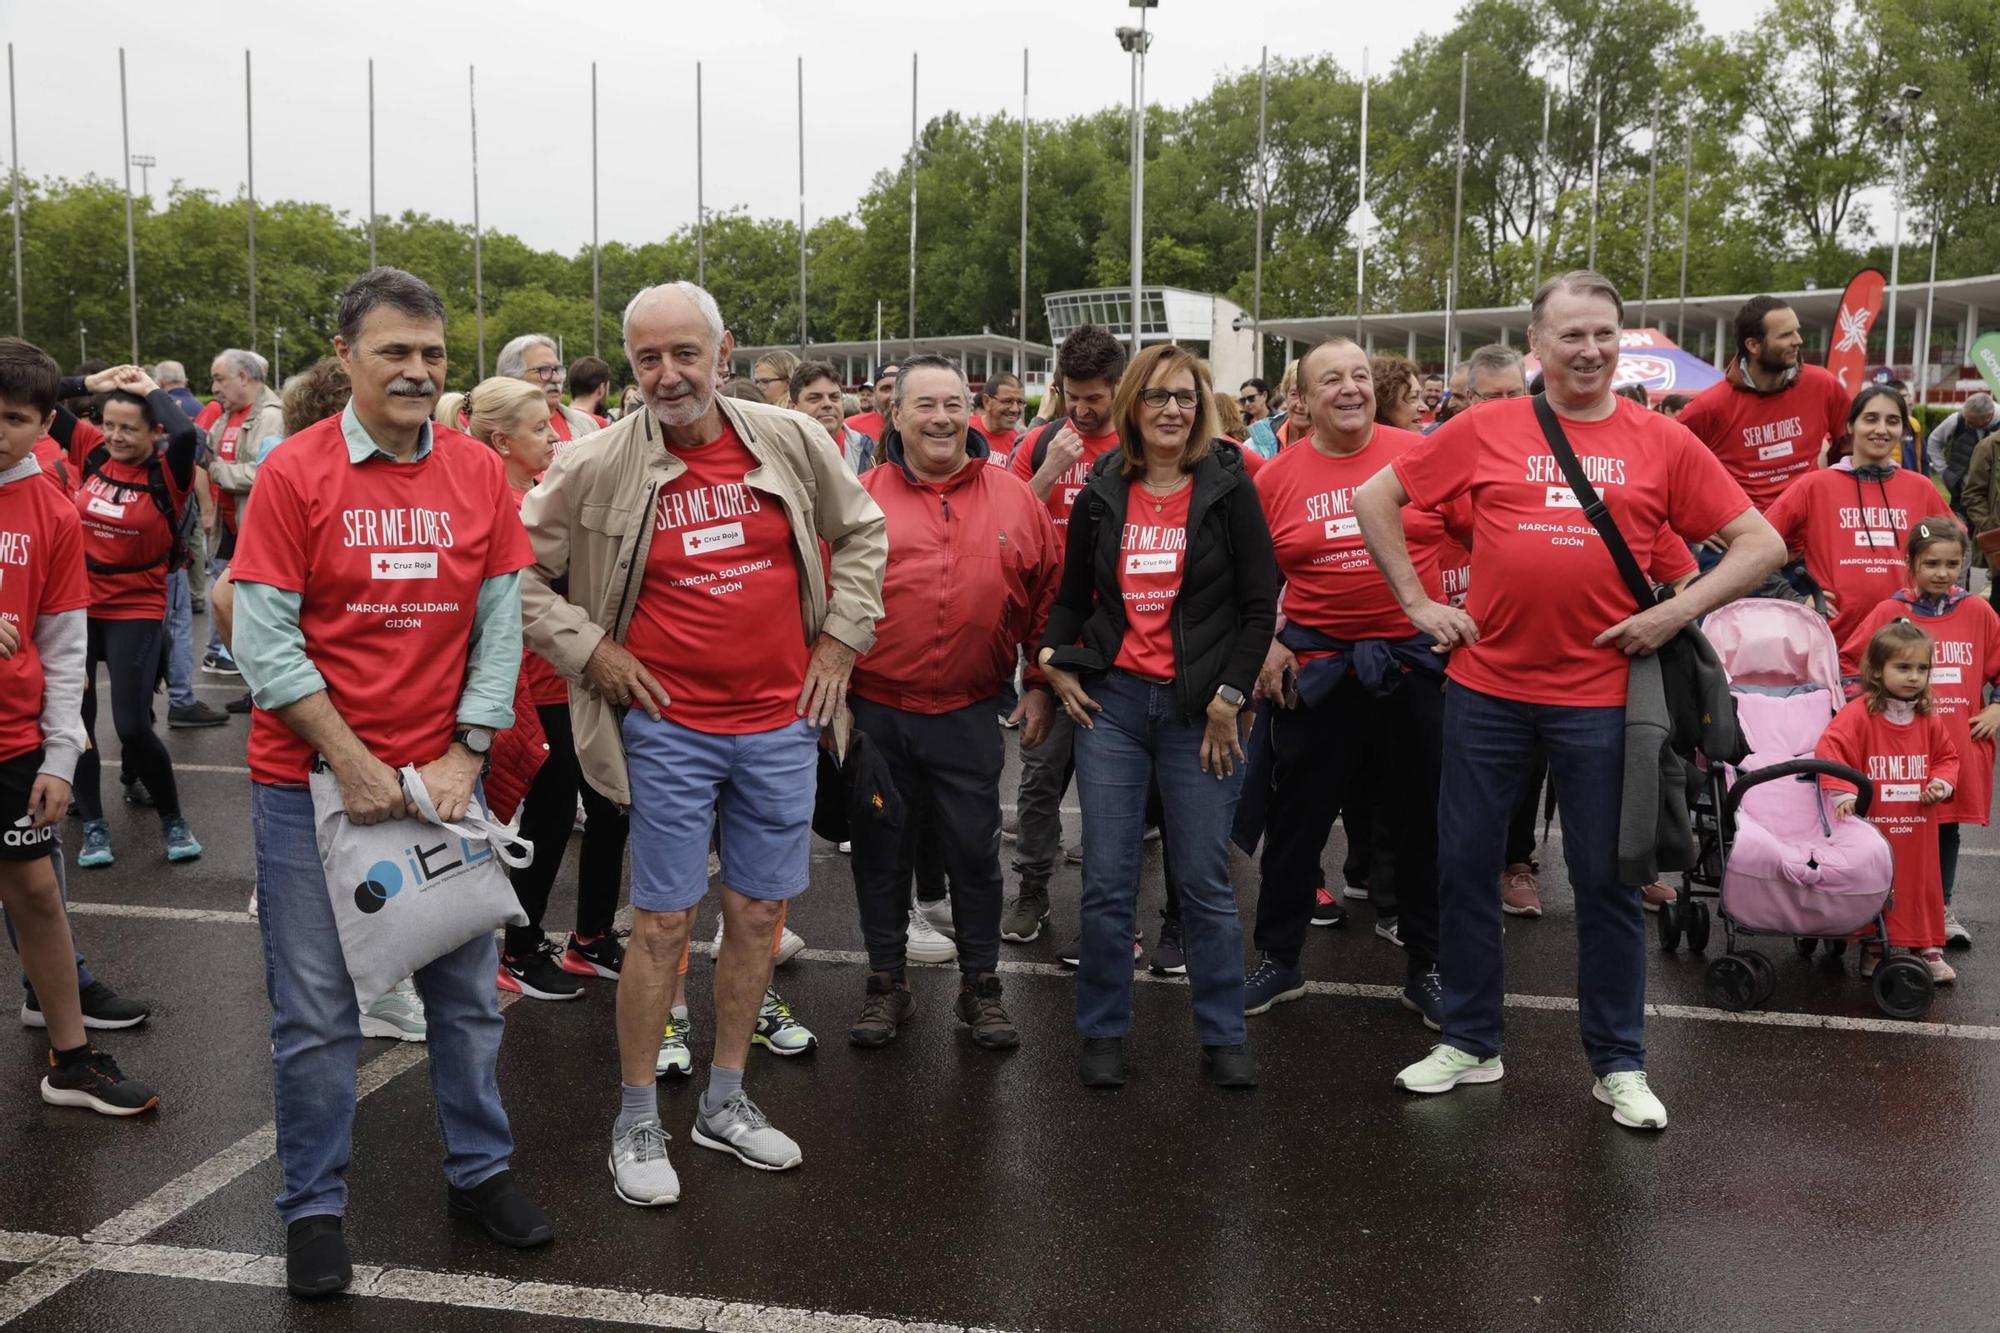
[1185, 398]
[770, 379]
[548, 374]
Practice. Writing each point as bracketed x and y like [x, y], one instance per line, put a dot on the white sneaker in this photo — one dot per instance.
[924, 944]
[674, 1059]
[1445, 1068]
[640, 1171]
[739, 1128]
[1632, 1103]
[789, 944]
[398, 1015]
[1955, 935]
[939, 915]
[844, 848]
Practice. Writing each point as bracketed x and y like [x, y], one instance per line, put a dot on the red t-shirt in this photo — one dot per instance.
[1062, 495]
[1853, 533]
[1152, 560]
[1965, 658]
[1543, 586]
[717, 622]
[1902, 759]
[1331, 582]
[388, 559]
[869, 424]
[123, 527]
[999, 444]
[41, 574]
[1769, 440]
[205, 418]
[545, 684]
[225, 452]
[55, 465]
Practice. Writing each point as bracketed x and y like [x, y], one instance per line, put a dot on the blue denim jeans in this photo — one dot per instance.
[1489, 746]
[1139, 739]
[316, 1029]
[180, 641]
[216, 569]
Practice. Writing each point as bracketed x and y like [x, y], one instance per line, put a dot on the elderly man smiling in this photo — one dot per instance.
[698, 619]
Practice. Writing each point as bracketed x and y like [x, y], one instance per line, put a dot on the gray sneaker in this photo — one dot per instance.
[640, 1171]
[1021, 923]
[739, 1127]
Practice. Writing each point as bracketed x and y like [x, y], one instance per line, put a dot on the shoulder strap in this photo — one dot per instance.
[1038, 451]
[1593, 505]
[93, 462]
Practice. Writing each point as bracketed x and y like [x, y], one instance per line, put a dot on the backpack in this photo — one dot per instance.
[1039, 446]
[180, 524]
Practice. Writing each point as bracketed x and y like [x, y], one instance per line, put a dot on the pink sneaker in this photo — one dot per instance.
[1941, 971]
[1520, 891]
[1658, 893]
[1871, 958]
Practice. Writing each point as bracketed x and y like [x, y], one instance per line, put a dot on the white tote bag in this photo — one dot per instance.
[410, 891]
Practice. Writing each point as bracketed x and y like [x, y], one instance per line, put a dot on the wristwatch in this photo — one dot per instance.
[1230, 695]
[479, 740]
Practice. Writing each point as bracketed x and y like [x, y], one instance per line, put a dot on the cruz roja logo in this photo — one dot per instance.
[424, 866]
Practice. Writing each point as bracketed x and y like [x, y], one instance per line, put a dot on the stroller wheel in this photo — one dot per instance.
[1694, 920]
[1670, 926]
[1767, 978]
[1903, 987]
[1732, 985]
[1806, 948]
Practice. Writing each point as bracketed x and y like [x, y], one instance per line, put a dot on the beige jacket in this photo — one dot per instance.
[266, 421]
[580, 422]
[587, 520]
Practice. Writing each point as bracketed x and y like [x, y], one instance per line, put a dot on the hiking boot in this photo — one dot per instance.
[979, 1007]
[886, 1008]
[1021, 923]
[1520, 891]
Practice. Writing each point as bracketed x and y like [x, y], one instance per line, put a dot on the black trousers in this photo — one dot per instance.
[130, 651]
[951, 763]
[548, 813]
[1333, 756]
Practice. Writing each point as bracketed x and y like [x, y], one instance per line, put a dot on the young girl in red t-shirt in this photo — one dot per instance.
[1894, 734]
[1965, 636]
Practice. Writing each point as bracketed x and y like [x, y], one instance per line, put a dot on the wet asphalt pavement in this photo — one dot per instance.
[1814, 1176]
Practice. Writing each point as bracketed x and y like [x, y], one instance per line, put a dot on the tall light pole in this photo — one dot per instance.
[371, 164]
[1457, 222]
[1135, 41]
[700, 206]
[596, 306]
[250, 194]
[1687, 204]
[802, 207]
[478, 257]
[911, 331]
[1263, 189]
[1021, 317]
[1898, 118]
[1363, 219]
[1596, 160]
[1541, 170]
[131, 253]
[1652, 178]
[14, 170]
[145, 162]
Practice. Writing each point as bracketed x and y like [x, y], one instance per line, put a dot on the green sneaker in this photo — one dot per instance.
[674, 1059]
[778, 1032]
[1445, 1068]
[1632, 1103]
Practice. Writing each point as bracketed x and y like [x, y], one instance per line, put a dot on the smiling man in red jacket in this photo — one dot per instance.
[973, 564]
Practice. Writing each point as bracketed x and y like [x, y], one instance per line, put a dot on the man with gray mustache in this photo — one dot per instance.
[709, 645]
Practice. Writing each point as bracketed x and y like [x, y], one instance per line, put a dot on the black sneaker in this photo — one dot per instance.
[1272, 983]
[602, 957]
[1327, 909]
[1390, 928]
[316, 1262]
[1423, 995]
[1071, 954]
[103, 1008]
[1229, 1066]
[136, 794]
[219, 664]
[196, 714]
[1100, 1062]
[1169, 951]
[497, 1207]
[93, 1081]
[538, 975]
[241, 705]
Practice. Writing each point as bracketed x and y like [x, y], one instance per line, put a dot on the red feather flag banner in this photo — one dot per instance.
[1860, 307]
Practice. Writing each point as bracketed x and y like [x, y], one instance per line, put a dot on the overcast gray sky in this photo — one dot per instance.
[185, 73]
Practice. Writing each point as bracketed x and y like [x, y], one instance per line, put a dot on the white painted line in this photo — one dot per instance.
[70, 1260]
[149, 913]
[25, 1247]
[243, 769]
[553, 1300]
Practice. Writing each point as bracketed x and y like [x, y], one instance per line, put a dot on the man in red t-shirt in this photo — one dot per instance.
[1001, 402]
[713, 640]
[377, 621]
[532, 357]
[1540, 657]
[874, 423]
[1055, 460]
[972, 570]
[1771, 416]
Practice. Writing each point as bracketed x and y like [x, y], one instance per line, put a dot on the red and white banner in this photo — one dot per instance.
[1860, 307]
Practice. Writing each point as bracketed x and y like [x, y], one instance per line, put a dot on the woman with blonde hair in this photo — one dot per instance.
[511, 417]
[1166, 610]
[450, 411]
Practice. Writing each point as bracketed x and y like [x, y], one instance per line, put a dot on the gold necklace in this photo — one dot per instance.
[1159, 496]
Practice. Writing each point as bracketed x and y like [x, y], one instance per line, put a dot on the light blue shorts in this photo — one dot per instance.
[759, 788]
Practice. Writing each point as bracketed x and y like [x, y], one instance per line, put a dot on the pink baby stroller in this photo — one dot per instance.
[1783, 864]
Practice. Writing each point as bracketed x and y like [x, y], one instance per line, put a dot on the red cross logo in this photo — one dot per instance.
[383, 566]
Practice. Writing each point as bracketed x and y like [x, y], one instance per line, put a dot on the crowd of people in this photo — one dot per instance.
[1368, 595]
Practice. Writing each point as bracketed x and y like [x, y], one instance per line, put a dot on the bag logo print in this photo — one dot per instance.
[427, 866]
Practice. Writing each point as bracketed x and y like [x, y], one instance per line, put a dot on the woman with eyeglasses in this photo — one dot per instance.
[1167, 606]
